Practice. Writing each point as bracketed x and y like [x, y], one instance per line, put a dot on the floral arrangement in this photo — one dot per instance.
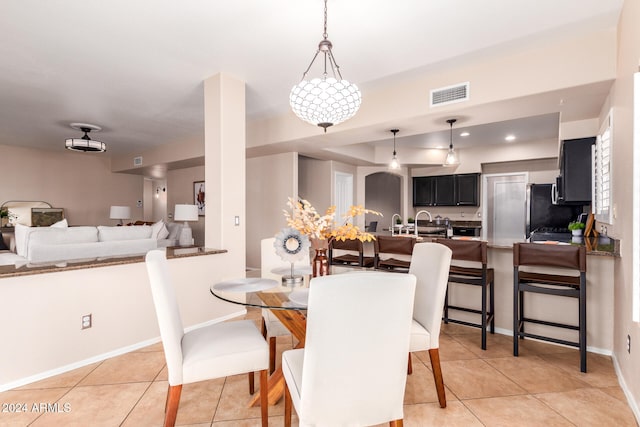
[304, 218]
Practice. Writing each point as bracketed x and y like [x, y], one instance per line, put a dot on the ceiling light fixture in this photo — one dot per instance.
[510, 138]
[463, 134]
[394, 160]
[325, 101]
[85, 143]
[452, 157]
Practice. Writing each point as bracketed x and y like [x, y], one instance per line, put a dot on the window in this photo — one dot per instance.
[601, 166]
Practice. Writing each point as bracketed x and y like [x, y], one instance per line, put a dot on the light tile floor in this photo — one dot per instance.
[542, 387]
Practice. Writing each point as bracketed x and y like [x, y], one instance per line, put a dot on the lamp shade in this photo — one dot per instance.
[120, 212]
[185, 213]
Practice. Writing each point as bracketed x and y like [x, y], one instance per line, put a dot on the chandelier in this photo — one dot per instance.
[85, 144]
[325, 101]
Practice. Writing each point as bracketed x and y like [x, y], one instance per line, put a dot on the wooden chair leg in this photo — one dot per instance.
[434, 355]
[287, 406]
[264, 397]
[410, 366]
[252, 386]
[272, 354]
[396, 423]
[171, 407]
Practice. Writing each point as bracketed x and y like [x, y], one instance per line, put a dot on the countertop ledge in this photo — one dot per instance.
[29, 269]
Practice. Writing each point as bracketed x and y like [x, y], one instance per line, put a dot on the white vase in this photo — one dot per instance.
[577, 232]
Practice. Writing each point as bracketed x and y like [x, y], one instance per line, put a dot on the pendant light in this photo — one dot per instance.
[394, 160]
[85, 143]
[325, 101]
[452, 157]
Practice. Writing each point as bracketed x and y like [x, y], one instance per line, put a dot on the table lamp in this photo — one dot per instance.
[185, 213]
[120, 212]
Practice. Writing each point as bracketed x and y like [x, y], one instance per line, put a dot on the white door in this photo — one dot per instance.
[343, 194]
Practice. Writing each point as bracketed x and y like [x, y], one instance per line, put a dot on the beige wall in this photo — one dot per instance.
[46, 309]
[81, 183]
[622, 160]
[270, 181]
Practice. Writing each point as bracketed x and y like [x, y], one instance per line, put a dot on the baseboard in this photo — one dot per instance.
[99, 358]
[627, 393]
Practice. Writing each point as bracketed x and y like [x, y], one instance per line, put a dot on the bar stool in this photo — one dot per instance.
[479, 275]
[388, 246]
[573, 286]
[351, 253]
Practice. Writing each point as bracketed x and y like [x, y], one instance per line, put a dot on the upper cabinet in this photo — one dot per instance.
[446, 190]
[573, 186]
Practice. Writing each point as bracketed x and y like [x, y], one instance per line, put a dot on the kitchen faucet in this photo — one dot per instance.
[416, 220]
[392, 223]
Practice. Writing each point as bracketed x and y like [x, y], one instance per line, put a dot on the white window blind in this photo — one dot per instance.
[601, 166]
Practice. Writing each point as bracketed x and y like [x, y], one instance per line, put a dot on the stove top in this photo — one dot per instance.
[550, 233]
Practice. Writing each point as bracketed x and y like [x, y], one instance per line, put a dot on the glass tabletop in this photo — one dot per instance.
[274, 298]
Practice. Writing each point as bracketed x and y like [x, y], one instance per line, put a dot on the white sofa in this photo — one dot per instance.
[55, 244]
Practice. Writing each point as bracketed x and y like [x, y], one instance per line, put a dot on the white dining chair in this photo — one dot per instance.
[430, 264]
[353, 369]
[214, 351]
[271, 326]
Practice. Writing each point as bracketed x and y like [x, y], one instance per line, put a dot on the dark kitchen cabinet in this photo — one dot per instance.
[446, 190]
[573, 186]
[467, 189]
[423, 190]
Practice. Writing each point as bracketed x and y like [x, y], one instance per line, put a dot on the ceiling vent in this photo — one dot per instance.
[450, 94]
[137, 161]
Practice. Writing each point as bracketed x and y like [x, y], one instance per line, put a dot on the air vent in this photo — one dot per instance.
[137, 161]
[450, 94]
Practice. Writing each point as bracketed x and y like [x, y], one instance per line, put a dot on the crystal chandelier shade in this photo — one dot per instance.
[325, 101]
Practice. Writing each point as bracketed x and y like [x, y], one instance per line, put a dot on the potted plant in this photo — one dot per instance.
[399, 221]
[576, 228]
[410, 220]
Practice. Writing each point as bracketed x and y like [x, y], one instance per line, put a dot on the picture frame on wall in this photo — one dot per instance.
[198, 196]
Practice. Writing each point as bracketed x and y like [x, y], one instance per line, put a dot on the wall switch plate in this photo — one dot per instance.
[236, 220]
[86, 321]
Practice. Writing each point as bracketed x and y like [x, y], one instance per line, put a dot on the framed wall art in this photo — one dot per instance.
[198, 196]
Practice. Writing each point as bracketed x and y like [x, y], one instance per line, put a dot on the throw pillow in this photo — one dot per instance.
[159, 230]
[60, 224]
[3, 246]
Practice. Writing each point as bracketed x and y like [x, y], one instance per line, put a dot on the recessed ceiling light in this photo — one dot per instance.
[510, 138]
[465, 134]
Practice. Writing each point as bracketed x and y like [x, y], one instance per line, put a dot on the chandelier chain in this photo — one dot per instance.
[325, 35]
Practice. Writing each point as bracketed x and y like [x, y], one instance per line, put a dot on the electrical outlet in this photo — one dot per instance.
[86, 321]
[629, 344]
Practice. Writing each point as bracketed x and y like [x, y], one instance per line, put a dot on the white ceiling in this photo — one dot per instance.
[135, 67]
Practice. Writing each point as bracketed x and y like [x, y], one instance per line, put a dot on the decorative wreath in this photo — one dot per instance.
[291, 245]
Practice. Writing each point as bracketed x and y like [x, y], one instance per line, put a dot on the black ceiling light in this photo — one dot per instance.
[85, 143]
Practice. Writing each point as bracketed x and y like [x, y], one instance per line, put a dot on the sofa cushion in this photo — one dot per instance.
[22, 233]
[60, 224]
[63, 236]
[159, 230]
[106, 234]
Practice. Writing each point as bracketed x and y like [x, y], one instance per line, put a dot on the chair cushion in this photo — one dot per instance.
[223, 349]
[292, 361]
[420, 338]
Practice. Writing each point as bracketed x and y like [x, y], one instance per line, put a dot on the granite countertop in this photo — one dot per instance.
[27, 269]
